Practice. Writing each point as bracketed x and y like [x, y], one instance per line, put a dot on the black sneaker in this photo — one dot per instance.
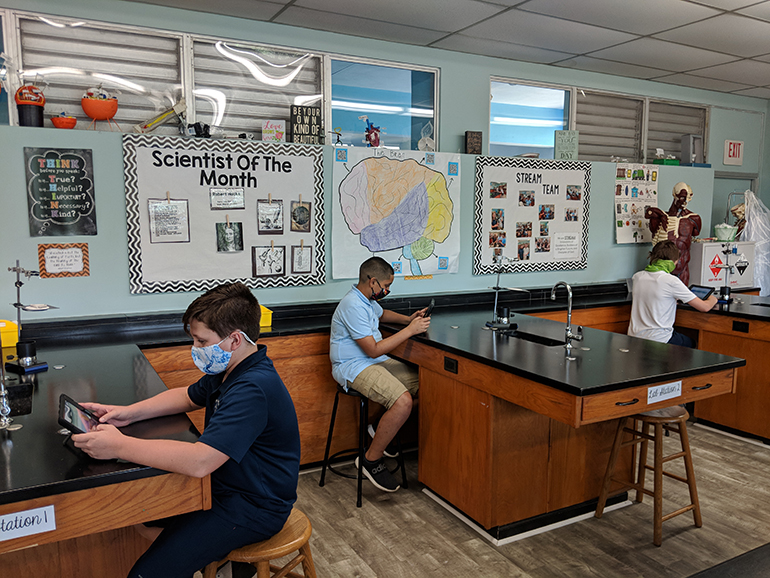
[379, 475]
[391, 451]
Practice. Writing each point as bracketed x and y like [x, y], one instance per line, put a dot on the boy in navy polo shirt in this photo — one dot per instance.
[357, 351]
[250, 444]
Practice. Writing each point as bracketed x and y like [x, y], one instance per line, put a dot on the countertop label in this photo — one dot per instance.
[663, 392]
[27, 523]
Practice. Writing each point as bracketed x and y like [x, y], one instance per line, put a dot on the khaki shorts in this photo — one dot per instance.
[385, 382]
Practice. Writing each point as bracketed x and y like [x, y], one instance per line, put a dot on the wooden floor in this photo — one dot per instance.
[407, 534]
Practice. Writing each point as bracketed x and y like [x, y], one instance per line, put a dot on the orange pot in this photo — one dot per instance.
[99, 109]
[64, 121]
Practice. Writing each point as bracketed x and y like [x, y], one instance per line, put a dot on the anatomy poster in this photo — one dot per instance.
[202, 212]
[530, 215]
[402, 206]
[636, 188]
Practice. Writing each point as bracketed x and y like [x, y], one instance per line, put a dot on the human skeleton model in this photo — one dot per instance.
[678, 225]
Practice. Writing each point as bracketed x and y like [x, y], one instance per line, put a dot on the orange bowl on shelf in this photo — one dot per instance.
[64, 121]
[98, 108]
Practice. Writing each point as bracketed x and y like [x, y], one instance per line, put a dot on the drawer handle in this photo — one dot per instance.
[632, 402]
[702, 387]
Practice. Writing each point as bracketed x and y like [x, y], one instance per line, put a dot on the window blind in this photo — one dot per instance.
[666, 125]
[608, 125]
[237, 86]
[65, 60]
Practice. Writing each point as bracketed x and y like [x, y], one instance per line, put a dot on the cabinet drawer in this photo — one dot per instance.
[615, 404]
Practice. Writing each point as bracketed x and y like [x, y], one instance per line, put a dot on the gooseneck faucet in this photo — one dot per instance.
[569, 336]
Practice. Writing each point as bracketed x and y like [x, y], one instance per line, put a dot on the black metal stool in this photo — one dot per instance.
[363, 419]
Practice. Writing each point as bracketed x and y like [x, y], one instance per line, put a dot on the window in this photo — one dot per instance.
[608, 125]
[237, 86]
[666, 125]
[399, 103]
[66, 58]
[523, 118]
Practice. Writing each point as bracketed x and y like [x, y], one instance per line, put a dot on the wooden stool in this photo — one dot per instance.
[293, 537]
[363, 422]
[672, 419]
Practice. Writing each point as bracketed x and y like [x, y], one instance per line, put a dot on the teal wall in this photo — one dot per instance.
[464, 106]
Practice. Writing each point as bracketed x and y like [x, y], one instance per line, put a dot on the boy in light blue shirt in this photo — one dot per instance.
[359, 360]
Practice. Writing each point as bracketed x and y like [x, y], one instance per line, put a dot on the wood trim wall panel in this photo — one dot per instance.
[455, 444]
[603, 406]
[578, 462]
[129, 503]
[748, 408]
[613, 318]
[105, 554]
[520, 458]
[521, 391]
[757, 330]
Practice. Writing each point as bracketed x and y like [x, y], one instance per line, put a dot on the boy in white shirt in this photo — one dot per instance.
[655, 292]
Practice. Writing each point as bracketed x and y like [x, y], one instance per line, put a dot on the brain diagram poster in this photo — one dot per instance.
[402, 206]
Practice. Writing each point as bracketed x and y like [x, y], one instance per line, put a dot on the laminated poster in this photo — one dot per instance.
[636, 189]
[60, 192]
[530, 215]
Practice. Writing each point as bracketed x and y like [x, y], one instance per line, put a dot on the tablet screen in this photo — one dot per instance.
[701, 291]
[78, 417]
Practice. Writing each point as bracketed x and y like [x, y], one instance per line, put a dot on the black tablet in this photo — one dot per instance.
[75, 417]
[701, 291]
[430, 308]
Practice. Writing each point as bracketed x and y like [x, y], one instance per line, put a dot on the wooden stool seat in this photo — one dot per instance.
[672, 419]
[292, 538]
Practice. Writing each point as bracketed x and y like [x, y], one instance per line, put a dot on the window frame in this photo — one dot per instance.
[575, 89]
[327, 89]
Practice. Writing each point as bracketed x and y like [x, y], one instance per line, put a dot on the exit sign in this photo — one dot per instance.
[733, 152]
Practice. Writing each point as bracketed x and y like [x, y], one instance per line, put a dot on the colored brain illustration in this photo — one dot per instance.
[394, 204]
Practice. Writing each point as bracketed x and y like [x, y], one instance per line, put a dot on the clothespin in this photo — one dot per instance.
[168, 197]
[302, 242]
[272, 244]
[227, 219]
[269, 198]
[300, 198]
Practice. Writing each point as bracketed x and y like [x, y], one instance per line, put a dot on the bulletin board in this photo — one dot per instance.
[402, 206]
[531, 214]
[202, 212]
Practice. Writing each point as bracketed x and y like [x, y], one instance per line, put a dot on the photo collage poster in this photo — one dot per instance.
[530, 215]
[636, 190]
[204, 212]
[403, 206]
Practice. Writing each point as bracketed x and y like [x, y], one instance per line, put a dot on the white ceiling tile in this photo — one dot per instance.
[748, 72]
[727, 33]
[699, 82]
[499, 49]
[251, 9]
[727, 4]
[760, 92]
[351, 25]
[546, 32]
[653, 16]
[761, 10]
[446, 15]
[610, 67]
[652, 52]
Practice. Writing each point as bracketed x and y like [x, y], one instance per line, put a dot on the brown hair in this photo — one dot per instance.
[224, 309]
[375, 268]
[666, 250]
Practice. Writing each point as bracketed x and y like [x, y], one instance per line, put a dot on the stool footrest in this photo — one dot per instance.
[679, 511]
[673, 457]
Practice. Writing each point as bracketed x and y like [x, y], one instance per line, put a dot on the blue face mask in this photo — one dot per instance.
[212, 359]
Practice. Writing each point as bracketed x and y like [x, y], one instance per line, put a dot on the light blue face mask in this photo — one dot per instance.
[212, 359]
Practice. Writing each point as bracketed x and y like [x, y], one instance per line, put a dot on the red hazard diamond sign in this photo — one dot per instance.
[714, 266]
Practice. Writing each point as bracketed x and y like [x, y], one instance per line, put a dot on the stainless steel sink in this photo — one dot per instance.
[534, 338]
